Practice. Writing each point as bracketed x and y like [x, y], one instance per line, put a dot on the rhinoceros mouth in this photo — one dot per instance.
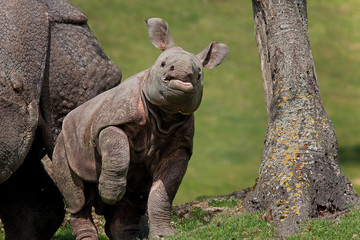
[181, 85]
[177, 84]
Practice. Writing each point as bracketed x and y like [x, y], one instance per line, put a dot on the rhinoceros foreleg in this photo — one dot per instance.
[73, 191]
[115, 152]
[69, 184]
[166, 183]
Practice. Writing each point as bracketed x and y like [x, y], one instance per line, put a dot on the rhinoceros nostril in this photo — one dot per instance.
[190, 76]
[172, 68]
[169, 78]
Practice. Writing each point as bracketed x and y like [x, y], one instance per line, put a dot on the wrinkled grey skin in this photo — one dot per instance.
[50, 63]
[126, 151]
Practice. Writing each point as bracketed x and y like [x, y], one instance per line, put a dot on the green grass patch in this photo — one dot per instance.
[348, 227]
[231, 121]
[195, 219]
[254, 226]
[249, 226]
[229, 225]
[223, 203]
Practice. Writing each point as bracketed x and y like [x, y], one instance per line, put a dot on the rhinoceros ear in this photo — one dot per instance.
[159, 33]
[213, 55]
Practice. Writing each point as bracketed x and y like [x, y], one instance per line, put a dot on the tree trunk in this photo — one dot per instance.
[299, 176]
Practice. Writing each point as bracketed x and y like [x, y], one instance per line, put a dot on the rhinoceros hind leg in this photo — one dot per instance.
[83, 226]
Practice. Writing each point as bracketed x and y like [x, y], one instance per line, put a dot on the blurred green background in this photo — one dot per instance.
[231, 121]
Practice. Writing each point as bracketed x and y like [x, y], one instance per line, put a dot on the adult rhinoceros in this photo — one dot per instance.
[50, 62]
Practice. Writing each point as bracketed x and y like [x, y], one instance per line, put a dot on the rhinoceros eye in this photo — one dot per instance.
[163, 63]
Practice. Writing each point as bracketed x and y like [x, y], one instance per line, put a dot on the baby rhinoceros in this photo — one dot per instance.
[126, 151]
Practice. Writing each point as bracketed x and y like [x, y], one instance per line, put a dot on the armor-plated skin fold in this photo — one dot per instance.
[50, 63]
[21, 78]
[126, 150]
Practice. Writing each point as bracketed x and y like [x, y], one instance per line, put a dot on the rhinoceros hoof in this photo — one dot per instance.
[162, 232]
[83, 229]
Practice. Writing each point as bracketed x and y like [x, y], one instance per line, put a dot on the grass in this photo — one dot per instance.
[247, 226]
[220, 218]
[347, 228]
[231, 223]
[231, 121]
[253, 226]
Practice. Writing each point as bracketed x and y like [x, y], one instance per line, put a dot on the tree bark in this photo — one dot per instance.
[299, 176]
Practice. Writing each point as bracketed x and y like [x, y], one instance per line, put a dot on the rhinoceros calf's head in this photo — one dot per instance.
[175, 81]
